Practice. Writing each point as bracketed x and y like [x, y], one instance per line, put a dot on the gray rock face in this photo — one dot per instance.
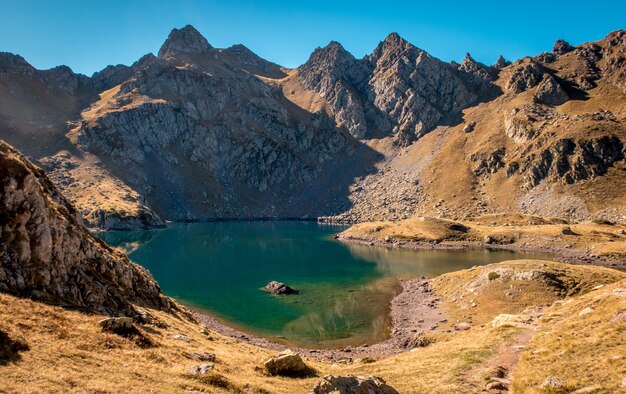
[398, 90]
[550, 92]
[184, 41]
[176, 122]
[331, 384]
[570, 161]
[47, 254]
[561, 47]
[334, 73]
[501, 63]
[526, 75]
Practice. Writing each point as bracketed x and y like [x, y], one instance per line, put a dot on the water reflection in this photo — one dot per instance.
[345, 289]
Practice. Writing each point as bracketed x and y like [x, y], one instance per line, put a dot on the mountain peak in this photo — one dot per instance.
[501, 62]
[187, 40]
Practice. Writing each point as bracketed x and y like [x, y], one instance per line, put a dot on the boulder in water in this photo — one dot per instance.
[279, 288]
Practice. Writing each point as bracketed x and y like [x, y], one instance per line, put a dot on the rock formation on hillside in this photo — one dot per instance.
[200, 132]
[47, 254]
[398, 90]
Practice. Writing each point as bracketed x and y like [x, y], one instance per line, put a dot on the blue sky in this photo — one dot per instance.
[89, 35]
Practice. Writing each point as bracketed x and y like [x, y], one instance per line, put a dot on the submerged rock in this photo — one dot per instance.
[352, 385]
[279, 288]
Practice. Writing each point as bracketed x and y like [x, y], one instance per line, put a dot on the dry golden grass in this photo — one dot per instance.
[68, 352]
[524, 231]
[579, 346]
[479, 294]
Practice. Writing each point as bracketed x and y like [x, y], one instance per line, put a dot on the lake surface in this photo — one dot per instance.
[219, 267]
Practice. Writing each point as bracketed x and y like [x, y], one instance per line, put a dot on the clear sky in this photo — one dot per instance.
[89, 35]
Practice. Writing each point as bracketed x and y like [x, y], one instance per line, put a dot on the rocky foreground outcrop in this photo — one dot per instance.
[47, 254]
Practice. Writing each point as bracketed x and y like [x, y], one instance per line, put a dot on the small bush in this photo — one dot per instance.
[493, 275]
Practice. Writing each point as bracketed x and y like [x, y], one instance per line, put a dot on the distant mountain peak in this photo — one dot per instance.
[501, 62]
[187, 40]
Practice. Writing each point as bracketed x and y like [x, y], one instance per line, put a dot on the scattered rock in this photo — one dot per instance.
[462, 326]
[567, 231]
[201, 369]
[118, 325]
[469, 127]
[497, 386]
[180, 337]
[553, 383]
[287, 363]
[279, 288]
[504, 320]
[202, 356]
[10, 348]
[585, 311]
[331, 384]
[588, 390]
[417, 340]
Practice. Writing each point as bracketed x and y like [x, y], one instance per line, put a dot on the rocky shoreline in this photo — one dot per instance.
[573, 256]
[414, 313]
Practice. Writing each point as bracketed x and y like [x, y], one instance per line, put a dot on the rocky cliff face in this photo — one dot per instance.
[398, 90]
[200, 132]
[201, 138]
[47, 254]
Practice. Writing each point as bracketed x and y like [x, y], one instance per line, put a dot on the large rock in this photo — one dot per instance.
[331, 384]
[527, 74]
[279, 288]
[287, 363]
[550, 92]
[561, 47]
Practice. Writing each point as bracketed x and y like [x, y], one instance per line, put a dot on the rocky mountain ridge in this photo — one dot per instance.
[200, 133]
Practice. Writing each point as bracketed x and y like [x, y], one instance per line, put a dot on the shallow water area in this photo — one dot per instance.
[345, 289]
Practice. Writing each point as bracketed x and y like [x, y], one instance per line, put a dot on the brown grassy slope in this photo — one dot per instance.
[69, 352]
[439, 170]
[580, 342]
[588, 240]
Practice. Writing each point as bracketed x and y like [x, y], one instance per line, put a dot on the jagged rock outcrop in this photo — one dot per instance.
[334, 74]
[47, 254]
[527, 74]
[501, 63]
[571, 161]
[398, 90]
[184, 41]
[550, 92]
[561, 47]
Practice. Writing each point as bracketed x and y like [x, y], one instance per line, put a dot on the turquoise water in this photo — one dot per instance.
[219, 267]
